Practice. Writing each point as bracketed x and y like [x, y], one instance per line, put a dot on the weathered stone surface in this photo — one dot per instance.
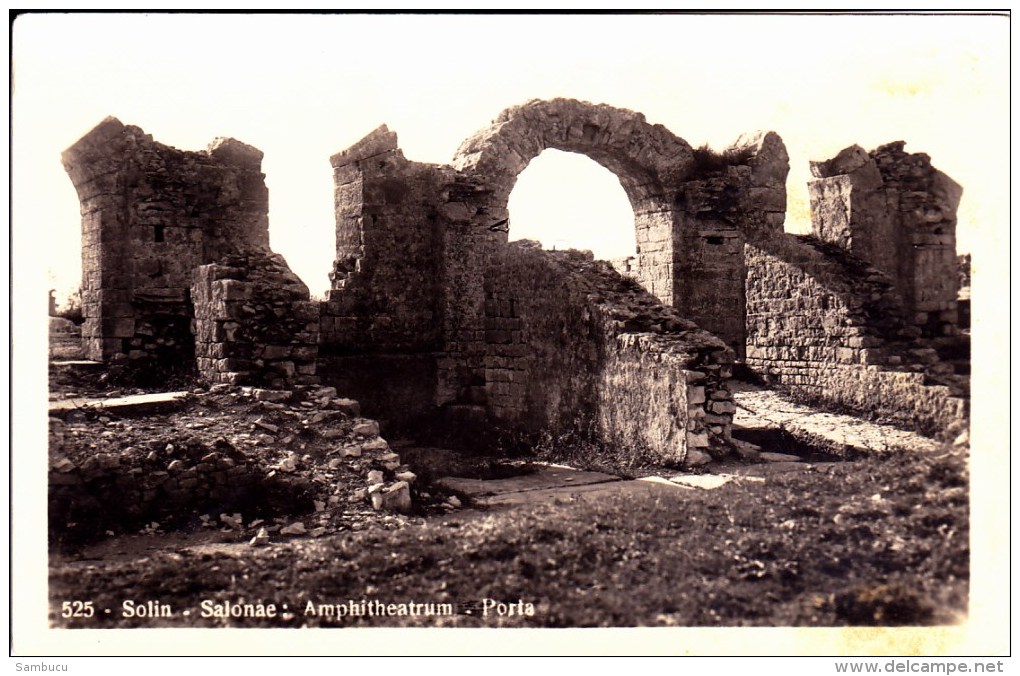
[769, 456]
[602, 357]
[846, 161]
[251, 322]
[835, 433]
[897, 212]
[395, 498]
[136, 404]
[296, 528]
[432, 314]
[696, 458]
[261, 538]
[366, 428]
[151, 215]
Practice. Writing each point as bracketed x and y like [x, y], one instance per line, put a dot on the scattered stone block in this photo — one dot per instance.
[697, 458]
[296, 528]
[261, 538]
[271, 395]
[366, 428]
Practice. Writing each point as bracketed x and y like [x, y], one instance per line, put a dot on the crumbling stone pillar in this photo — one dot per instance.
[731, 198]
[150, 215]
[384, 294]
[254, 322]
[896, 211]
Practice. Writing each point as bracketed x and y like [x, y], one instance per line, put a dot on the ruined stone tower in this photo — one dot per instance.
[896, 211]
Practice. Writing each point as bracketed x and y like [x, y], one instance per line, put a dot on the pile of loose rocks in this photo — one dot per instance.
[239, 459]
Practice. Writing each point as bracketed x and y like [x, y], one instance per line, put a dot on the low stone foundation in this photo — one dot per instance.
[135, 487]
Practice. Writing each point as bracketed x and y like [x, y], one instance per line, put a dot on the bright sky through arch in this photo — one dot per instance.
[569, 201]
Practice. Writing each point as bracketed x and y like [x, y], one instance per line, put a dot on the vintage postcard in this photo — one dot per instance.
[634, 334]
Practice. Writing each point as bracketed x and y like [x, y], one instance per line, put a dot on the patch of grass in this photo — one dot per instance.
[709, 161]
[803, 548]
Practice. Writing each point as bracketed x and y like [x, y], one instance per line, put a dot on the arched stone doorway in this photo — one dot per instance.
[648, 159]
[418, 244]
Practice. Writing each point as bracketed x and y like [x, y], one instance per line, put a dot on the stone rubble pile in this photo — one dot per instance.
[304, 451]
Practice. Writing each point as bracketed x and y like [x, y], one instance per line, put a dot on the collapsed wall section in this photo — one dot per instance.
[384, 295]
[382, 324]
[575, 349]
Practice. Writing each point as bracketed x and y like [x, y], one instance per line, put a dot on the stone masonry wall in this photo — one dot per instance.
[254, 323]
[896, 211]
[710, 244]
[731, 197]
[150, 215]
[430, 309]
[574, 348]
[826, 326]
[145, 489]
[385, 281]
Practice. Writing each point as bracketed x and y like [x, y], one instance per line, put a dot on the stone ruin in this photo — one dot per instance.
[433, 315]
[176, 264]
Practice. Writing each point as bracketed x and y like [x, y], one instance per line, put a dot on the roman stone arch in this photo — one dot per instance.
[650, 162]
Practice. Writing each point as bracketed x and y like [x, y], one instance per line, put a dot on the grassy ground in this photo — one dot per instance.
[874, 541]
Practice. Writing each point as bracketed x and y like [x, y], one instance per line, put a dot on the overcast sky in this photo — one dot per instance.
[301, 88]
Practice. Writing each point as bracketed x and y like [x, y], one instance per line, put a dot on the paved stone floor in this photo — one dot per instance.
[135, 404]
[757, 410]
[760, 408]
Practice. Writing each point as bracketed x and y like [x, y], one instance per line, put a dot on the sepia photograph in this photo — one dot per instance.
[619, 334]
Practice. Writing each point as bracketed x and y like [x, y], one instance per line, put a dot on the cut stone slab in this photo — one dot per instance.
[546, 478]
[759, 408]
[136, 404]
[584, 493]
[767, 456]
[704, 481]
